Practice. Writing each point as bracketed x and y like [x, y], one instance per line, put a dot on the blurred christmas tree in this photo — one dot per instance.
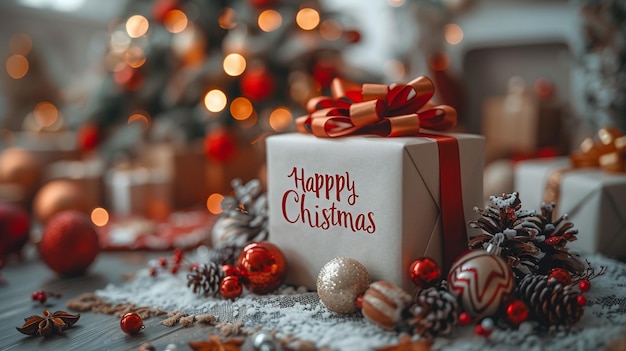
[228, 72]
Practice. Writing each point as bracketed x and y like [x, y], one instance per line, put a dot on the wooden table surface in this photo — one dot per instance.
[92, 331]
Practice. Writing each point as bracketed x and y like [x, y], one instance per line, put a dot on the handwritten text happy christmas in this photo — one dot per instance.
[340, 192]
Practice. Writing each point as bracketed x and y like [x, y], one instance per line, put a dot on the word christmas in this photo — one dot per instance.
[336, 189]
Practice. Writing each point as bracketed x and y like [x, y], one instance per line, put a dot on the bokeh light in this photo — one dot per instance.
[175, 21]
[439, 61]
[280, 119]
[234, 64]
[135, 57]
[20, 44]
[241, 108]
[45, 114]
[453, 33]
[215, 100]
[226, 19]
[99, 216]
[139, 118]
[17, 66]
[136, 26]
[394, 70]
[213, 203]
[396, 3]
[331, 30]
[270, 20]
[248, 122]
[307, 18]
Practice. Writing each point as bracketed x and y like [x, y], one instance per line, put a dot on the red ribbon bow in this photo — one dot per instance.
[394, 110]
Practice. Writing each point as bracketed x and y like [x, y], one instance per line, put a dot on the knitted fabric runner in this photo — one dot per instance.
[296, 313]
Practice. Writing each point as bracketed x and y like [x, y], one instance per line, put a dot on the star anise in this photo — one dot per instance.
[48, 324]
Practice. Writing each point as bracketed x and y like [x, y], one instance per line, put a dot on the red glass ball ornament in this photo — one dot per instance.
[584, 285]
[230, 270]
[517, 312]
[262, 267]
[220, 146]
[581, 300]
[465, 318]
[131, 323]
[560, 275]
[231, 287]
[88, 137]
[69, 243]
[257, 84]
[425, 272]
[14, 229]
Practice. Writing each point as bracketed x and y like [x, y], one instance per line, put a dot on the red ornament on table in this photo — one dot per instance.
[230, 287]
[131, 323]
[69, 244]
[262, 266]
[257, 84]
[517, 312]
[220, 146]
[14, 229]
[425, 272]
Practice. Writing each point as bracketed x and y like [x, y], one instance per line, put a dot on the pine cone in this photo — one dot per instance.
[206, 279]
[552, 238]
[434, 312]
[550, 302]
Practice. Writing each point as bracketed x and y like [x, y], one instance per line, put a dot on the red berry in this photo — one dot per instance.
[479, 330]
[584, 285]
[177, 259]
[561, 275]
[178, 252]
[131, 323]
[465, 318]
[581, 300]
[153, 272]
[174, 269]
[359, 301]
[194, 266]
[162, 261]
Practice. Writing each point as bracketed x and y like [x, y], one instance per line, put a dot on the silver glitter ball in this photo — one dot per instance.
[263, 341]
[340, 282]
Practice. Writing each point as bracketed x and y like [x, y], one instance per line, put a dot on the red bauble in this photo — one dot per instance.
[14, 229]
[560, 275]
[88, 137]
[231, 288]
[230, 270]
[517, 312]
[69, 244]
[131, 323]
[257, 84]
[262, 267]
[220, 146]
[261, 3]
[425, 272]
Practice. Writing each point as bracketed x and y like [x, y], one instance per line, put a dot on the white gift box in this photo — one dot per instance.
[373, 199]
[594, 200]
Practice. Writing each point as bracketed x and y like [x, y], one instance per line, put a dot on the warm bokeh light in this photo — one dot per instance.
[99, 216]
[439, 61]
[135, 57]
[331, 30]
[137, 26]
[394, 69]
[119, 41]
[307, 18]
[270, 20]
[234, 64]
[175, 21]
[215, 100]
[17, 66]
[396, 3]
[226, 20]
[241, 108]
[248, 122]
[20, 44]
[139, 117]
[453, 33]
[45, 114]
[280, 119]
[213, 203]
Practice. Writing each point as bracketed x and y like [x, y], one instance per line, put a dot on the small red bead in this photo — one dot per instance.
[231, 270]
[131, 323]
[153, 272]
[561, 275]
[517, 312]
[178, 252]
[40, 296]
[465, 318]
[581, 300]
[359, 301]
[162, 262]
[584, 285]
[174, 269]
[231, 287]
[482, 331]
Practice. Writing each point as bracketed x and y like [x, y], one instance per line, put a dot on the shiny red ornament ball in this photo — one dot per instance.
[69, 243]
[257, 84]
[131, 323]
[14, 229]
[231, 287]
[262, 266]
[517, 312]
[561, 276]
[425, 272]
[584, 285]
[230, 270]
[465, 318]
[220, 146]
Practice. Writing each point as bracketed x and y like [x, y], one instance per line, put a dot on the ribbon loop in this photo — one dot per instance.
[376, 109]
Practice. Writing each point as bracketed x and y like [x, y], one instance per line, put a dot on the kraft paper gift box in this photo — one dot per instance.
[594, 200]
[387, 188]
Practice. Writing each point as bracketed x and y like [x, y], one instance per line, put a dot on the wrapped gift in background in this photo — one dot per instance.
[587, 187]
[379, 200]
[87, 174]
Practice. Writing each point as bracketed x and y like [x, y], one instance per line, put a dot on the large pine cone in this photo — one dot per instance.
[434, 312]
[550, 302]
[206, 279]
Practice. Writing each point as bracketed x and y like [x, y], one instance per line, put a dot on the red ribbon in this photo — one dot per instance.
[398, 110]
[395, 110]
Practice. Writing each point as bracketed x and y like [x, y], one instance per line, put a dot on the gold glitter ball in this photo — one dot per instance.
[340, 282]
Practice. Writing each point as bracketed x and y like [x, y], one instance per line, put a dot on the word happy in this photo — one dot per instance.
[336, 189]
